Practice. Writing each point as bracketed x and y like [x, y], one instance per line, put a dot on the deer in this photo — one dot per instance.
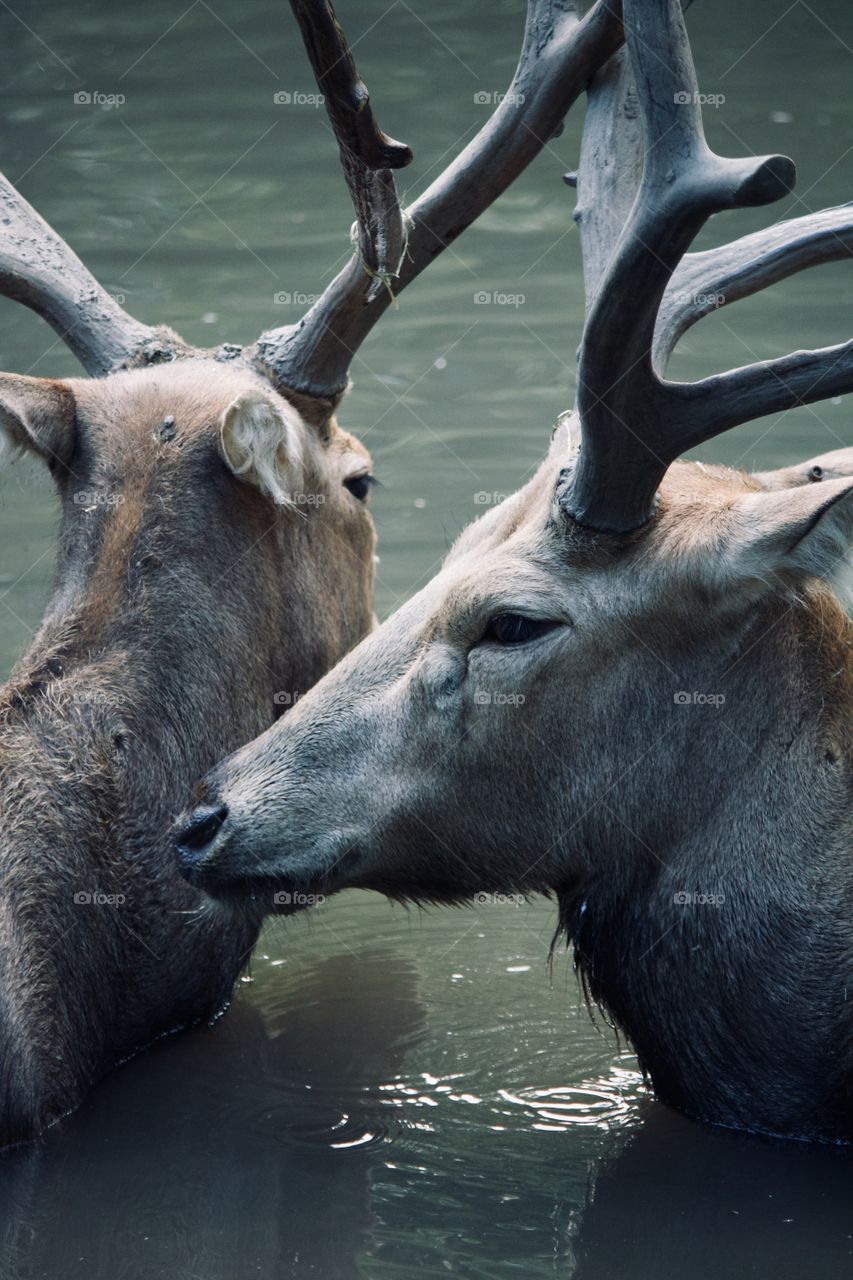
[630, 685]
[216, 551]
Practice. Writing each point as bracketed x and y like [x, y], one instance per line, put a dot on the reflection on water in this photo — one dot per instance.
[396, 1095]
[217, 1155]
[358, 1113]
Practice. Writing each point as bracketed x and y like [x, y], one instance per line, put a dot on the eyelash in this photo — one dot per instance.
[516, 629]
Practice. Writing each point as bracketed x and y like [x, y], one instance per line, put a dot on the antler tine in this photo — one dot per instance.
[367, 154]
[706, 281]
[632, 423]
[39, 269]
[559, 55]
[346, 96]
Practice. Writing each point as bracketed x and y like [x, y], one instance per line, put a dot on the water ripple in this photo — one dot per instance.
[605, 1103]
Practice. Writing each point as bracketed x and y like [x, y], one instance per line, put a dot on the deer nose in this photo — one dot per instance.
[195, 836]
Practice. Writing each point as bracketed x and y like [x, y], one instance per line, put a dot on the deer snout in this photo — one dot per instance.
[195, 837]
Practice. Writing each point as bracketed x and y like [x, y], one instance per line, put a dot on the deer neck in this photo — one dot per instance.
[163, 682]
[727, 957]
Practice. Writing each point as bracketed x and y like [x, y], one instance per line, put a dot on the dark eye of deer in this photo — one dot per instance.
[515, 628]
[816, 473]
[360, 486]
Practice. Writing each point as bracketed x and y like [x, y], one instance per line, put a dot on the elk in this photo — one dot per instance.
[630, 686]
[215, 550]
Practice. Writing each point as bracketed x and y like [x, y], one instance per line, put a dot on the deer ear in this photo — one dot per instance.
[263, 443]
[828, 466]
[796, 532]
[36, 414]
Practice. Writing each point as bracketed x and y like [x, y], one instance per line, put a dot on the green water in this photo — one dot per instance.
[396, 1094]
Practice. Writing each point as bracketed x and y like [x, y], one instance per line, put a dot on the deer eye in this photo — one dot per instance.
[360, 486]
[515, 628]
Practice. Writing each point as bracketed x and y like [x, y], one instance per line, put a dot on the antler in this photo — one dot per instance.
[610, 168]
[706, 281]
[367, 154]
[38, 268]
[633, 423]
[559, 55]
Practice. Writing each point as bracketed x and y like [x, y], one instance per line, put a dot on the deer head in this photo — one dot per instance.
[630, 685]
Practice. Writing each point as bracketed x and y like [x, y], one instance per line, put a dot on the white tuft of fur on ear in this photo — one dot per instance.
[566, 436]
[263, 441]
[797, 532]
